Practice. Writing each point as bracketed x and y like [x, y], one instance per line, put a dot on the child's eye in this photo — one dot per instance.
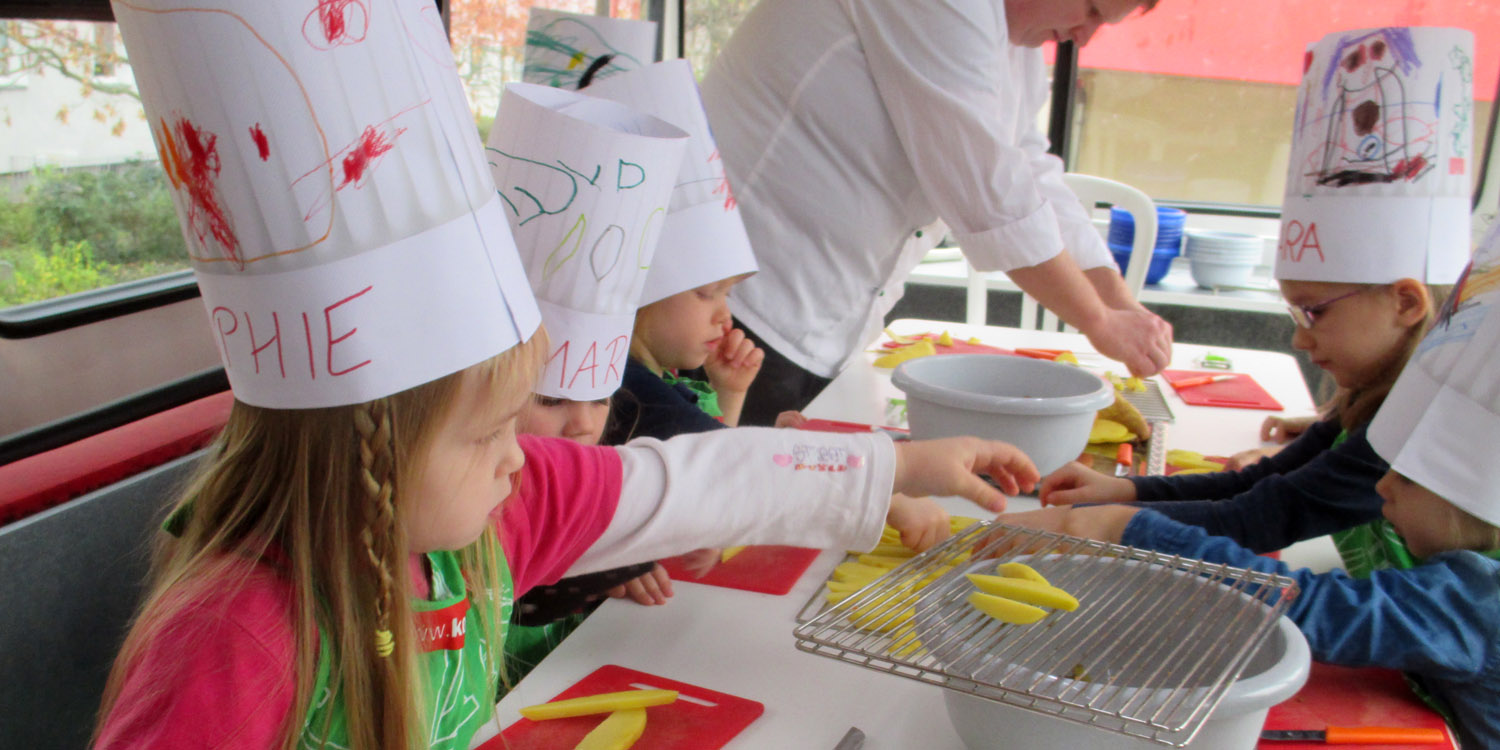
[496, 435]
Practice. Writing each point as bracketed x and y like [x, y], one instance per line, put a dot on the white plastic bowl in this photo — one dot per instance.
[1275, 673]
[1044, 408]
[1211, 273]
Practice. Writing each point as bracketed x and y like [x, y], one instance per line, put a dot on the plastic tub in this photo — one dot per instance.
[1161, 262]
[1044, 408]
[1169, 228]
[1211, 274]
[1275, 673]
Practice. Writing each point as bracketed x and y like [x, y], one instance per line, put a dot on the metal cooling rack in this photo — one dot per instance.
[1155, 643]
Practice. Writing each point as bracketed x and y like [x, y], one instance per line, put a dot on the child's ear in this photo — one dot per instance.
[1413, 303]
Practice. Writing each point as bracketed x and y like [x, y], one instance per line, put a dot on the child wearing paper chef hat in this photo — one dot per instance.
[349, 551]
[1434, 610]
[1375, 222]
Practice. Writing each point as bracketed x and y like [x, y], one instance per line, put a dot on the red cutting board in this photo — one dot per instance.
[1352, 697]
[960, 346]
[765, 569]
[1242, 392]
[707, 722]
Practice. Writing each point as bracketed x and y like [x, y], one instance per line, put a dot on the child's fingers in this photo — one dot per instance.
[979, 492]
[1269, 427]
[754, 358]
[1008, 465]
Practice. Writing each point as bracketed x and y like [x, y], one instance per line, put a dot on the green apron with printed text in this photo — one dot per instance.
[460, 683]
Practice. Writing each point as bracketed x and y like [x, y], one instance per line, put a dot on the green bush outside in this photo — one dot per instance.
[77, 230]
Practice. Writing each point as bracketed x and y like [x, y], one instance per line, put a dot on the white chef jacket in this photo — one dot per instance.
[847, 126]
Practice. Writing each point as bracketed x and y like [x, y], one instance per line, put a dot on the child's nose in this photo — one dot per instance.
[1303, 339]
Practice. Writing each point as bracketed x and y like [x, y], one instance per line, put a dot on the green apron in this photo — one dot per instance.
[460, 681]
[708, 398]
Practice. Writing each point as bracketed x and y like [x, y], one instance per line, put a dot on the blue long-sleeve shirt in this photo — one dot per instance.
[1309, 489]
[1439, 622]
[648, 406]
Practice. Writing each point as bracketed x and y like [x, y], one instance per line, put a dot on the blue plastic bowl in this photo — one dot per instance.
[1161, 262]
[1169, 225]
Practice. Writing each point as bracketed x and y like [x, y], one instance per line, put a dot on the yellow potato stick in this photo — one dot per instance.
[1109, 431]
[904, 643]
[599, 704]
[892, 550]
[1022, 590]
[945, 340]
[881, 616]
[853, 571]
[1021, 570]
[844, 585]
[898, 339]
[1006, 610]
[975, 340]
[835, 596]
[1067, 357]
[882, 561]
[618, 731]
[730, 552]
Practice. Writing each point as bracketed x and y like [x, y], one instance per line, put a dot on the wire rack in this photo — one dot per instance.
[1153, 406]
[1153, 646]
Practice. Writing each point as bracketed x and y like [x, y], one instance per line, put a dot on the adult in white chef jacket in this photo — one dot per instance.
[848, 126]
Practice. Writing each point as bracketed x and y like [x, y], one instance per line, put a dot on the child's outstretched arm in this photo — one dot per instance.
[731, 369]
[952, 466]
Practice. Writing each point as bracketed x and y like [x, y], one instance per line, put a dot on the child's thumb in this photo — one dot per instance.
[980, 493]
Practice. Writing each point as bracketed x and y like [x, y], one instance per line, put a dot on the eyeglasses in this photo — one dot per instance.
[1306, 315]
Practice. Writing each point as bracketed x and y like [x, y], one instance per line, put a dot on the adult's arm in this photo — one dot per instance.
[1309, 489]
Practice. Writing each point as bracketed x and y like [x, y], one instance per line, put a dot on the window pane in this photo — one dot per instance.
[1194, 100]
[489, 37]
[83, 203]
[707, 26]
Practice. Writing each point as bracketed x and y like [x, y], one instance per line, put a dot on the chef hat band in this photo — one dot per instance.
[704, 239]
[1441, 421]
[585, 183]
[567, 50]
[1382, 147]
[332, 194]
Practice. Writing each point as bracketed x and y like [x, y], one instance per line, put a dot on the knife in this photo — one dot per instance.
[1204, 380]
[1360, 735]
[1124, 460]
[853, 740]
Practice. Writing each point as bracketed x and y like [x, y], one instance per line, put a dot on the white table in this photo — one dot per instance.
[741, 643]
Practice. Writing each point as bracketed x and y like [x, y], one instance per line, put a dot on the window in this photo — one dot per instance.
[707, 26]
[83, 203]
[1193, 101]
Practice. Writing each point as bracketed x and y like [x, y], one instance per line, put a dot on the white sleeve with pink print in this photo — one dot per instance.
[746, 486]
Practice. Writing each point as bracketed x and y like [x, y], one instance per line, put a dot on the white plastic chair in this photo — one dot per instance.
[1091, 191]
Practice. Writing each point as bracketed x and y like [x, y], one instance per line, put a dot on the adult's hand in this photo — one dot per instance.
[1136, 337]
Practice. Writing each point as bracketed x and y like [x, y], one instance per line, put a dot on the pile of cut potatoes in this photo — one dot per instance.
[1017, 594]
[624, 725]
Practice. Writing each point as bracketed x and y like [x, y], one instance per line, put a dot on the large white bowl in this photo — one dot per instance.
[1275, 673]
[1213, 274]
[1044, 408]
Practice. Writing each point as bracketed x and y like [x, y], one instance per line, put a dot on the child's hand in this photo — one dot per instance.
[1284, 429]
[1246, 458]
[921, 521]
[700, 561]
[792, 419]
[1076, 483]
[950, 467]
[733, 366]
[1103, 522]
[653, 587]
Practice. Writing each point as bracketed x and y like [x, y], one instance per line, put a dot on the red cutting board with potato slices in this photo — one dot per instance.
[1241, 393]
[762, 568]
[959, 346]
[700, 719]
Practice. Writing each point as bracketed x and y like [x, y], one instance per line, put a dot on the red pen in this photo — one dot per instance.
[1205, 380]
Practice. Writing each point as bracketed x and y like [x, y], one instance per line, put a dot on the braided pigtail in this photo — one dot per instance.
[377, 478]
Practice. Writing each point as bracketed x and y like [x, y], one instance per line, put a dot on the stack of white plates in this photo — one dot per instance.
[1222, 258]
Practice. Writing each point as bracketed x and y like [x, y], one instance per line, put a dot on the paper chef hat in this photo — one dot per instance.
[704, 239]
[566, 50]
[1441, 422]
[1382, 147]
[332, 192]
[585, 183]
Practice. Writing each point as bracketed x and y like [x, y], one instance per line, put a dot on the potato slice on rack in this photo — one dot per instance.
[618, 731]
[1006, 610]
[1022, 571]
[1022, 590]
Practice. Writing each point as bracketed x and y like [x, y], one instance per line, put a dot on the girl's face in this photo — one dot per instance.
[1356, 337]
[466, 470]
[579, 421]
[682, 330]
[1427, 522]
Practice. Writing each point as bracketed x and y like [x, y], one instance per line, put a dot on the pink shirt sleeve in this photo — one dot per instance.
[218, 676]
[568, 495]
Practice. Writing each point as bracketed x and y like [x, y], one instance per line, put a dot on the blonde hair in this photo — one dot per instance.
[1352, 407]
[315, 496]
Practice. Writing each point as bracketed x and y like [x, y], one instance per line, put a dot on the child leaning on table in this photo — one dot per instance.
[1432, 605]
[1363, 253]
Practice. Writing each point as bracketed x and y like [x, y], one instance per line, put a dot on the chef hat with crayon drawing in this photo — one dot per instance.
[704, 239]
[585, 183]
[332, 192]
[1382, 151]
[1441, 422]
[568, 50]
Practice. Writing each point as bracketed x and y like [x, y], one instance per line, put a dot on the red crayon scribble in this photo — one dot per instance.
[190, 157]
[262, 146]
[1409, 169]
[1355, 59]
[338, 22]
[1307, 61]
[371, 144]
[723, 186]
